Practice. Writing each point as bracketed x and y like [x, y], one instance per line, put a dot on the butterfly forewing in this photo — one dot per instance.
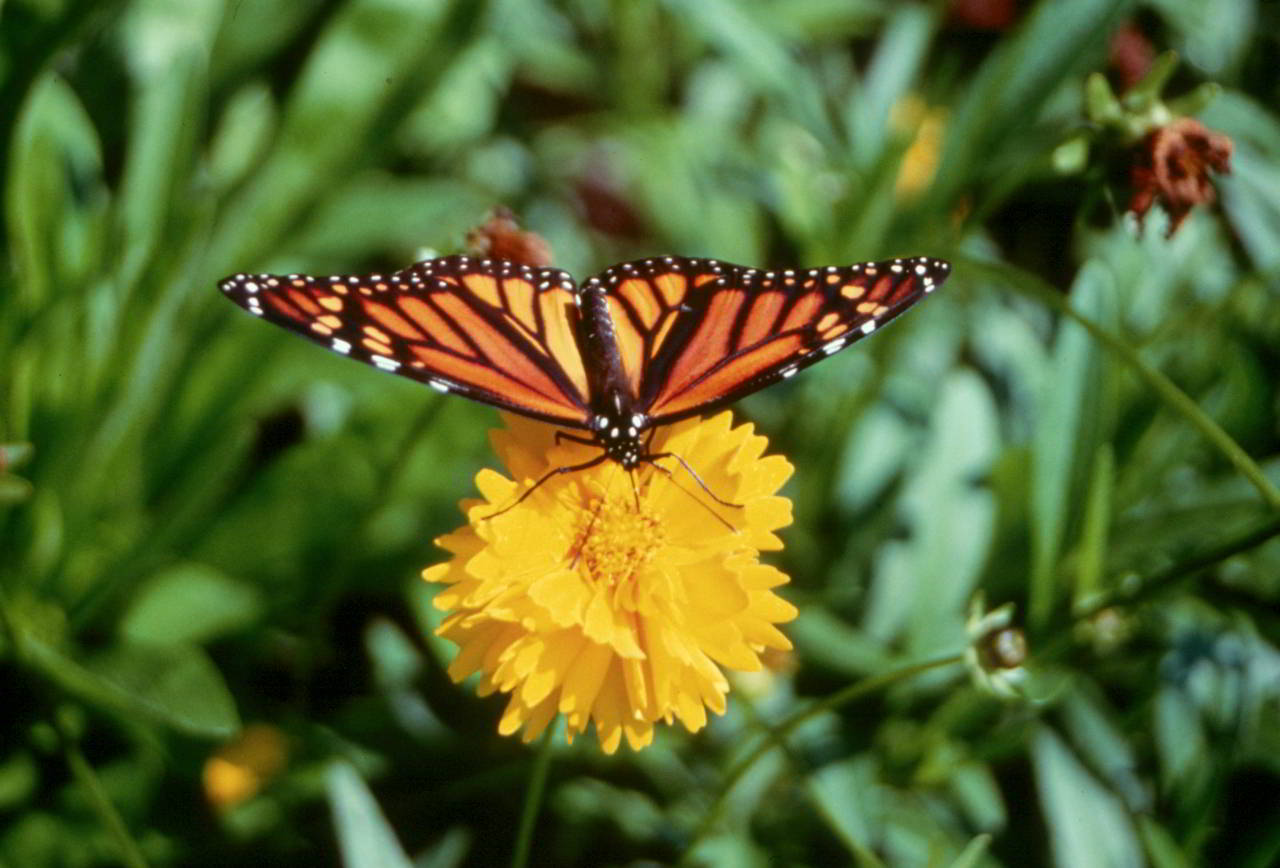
[490, 330]
[696, 334]
[691, 335]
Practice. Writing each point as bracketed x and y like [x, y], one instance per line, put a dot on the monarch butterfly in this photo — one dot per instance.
[640, 345]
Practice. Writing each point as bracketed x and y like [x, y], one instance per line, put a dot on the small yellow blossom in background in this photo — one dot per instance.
[239, 769]
[579, 602]
[925, 127]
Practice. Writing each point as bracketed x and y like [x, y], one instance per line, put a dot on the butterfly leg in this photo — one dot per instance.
[652, 459]
[717, 516]
[562, 436]
[556, 471]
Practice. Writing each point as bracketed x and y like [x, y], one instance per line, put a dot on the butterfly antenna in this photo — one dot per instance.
[652, 459]
[717, 516]
[556, 471]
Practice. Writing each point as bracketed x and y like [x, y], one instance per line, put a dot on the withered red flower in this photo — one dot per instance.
[500, 237]
[993, 15]
[1129, 55]
[1173, 166]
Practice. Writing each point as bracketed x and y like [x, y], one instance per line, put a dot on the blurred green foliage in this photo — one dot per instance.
[205, 523]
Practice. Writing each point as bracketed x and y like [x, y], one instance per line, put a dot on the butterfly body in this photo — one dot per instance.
[614, 421]
[640, 345]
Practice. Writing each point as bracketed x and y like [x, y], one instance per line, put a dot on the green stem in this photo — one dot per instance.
[533, 800]
[130, 854]
[1169, 393]
[1162, 580]
[1126, 595]
[776, 735]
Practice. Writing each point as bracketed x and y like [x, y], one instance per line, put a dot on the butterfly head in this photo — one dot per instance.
[620, 432]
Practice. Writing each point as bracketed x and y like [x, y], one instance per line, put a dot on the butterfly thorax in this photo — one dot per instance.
[615, 422]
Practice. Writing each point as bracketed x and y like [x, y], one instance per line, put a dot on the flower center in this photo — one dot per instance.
[615, 541]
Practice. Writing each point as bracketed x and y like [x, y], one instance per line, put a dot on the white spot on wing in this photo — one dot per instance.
[385, 363]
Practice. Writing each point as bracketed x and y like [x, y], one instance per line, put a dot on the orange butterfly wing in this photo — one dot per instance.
[490, 330]
[697, 334]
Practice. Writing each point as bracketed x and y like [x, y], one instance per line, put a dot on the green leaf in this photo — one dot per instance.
[900, 52]
[365, 837]
[177, 685]
[374, 59]
[1146, 92]
[1087, 824]
[973, 852]
[15, 454]
[19, 777]
[1067, 427]
[242, 136]
[190, 603]
[826, 640]
[1053, 44]
[1181, 743]
[1103, 743]
[450, 851]
[951, 518]
[1092, 557]
[1161, 847]
[168, 46]
[54, 195]
[845, 794]
[13, 489]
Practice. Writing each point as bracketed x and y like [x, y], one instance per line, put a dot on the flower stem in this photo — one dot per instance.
[777, 734]
[130, 854]
[533, 800]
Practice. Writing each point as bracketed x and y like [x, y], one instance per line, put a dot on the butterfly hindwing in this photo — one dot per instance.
[490, 330]
[697, 334]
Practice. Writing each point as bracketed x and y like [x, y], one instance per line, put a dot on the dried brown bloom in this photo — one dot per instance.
[1129, 55]
[1173, 166]
[983, 14]
[604, 204]
[500, 237]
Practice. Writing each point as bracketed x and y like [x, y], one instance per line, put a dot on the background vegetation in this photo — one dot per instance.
[215, 646]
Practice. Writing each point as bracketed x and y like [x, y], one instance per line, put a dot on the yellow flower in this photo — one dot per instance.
[925, 127]
[243, 766]
[611, 604]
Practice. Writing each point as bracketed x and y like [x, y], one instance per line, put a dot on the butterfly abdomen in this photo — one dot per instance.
[615, 422]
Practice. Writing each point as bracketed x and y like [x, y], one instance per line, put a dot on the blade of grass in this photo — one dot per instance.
[1067, 425]
[130, 853]
[1097, 521]
[1164, 388]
